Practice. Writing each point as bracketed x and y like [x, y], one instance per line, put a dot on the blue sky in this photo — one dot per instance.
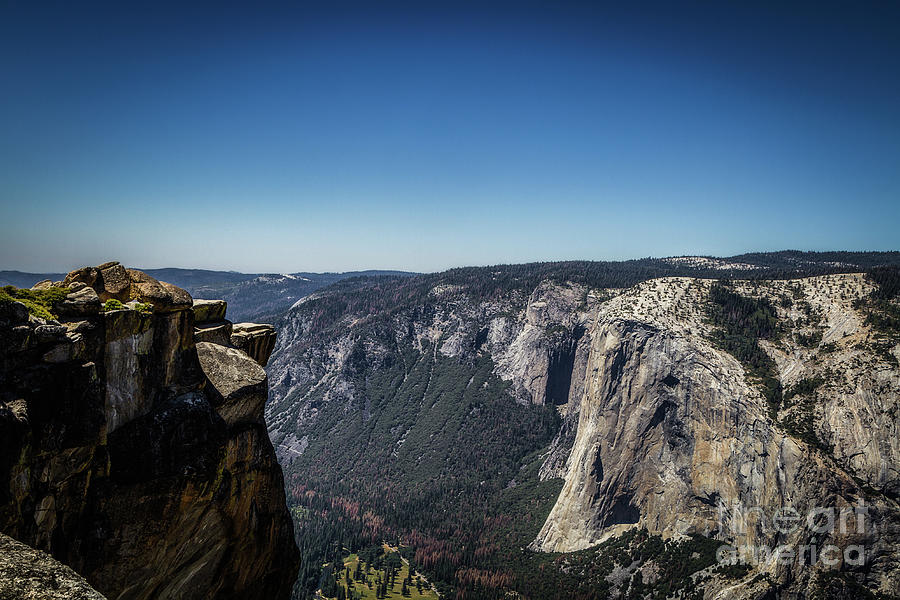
[336, 136]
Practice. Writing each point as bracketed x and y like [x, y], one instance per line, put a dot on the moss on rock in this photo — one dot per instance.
[39, 302]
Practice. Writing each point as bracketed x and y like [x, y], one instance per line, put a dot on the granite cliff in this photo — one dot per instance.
[673, 437]
[133, 447]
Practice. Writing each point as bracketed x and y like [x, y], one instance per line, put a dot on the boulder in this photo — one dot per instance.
[206, 311]
[179, 298]
[217, 332]
[35, 321]
[164, 297]
[146, 288]
[113, 282]
[256, 339]
[239, 387]
[46, 284]
[86, 275]
[80, 326]
[80, 303]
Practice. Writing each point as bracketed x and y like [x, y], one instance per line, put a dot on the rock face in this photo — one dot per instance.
[217, 332]
[27, 574]
[256, 340]
[672, 437]
[129, 457]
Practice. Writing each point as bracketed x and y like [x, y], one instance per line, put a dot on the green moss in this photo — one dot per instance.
[112, 304]
[145, 309]
[39, 302]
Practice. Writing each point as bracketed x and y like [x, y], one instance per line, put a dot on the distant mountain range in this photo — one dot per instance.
[250, 296]
[267, 296]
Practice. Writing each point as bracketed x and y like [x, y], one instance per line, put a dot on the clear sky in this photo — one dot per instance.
[283, 137]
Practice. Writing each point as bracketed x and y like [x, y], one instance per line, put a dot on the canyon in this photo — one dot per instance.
[659, 429]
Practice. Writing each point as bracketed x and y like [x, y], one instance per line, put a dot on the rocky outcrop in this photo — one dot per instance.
[210, 324]
[28, 574]
[209, 311]
[130, 457]
[256, 340]
[83, 301]
[112, 281]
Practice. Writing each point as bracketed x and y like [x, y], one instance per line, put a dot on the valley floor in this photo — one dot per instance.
[383, 577]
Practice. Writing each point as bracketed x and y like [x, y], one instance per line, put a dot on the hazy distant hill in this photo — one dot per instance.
[25, 280]
[181, 277]
[250, 296]
[259, 297]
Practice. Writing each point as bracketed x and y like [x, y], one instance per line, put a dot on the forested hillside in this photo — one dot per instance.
[378, 296]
